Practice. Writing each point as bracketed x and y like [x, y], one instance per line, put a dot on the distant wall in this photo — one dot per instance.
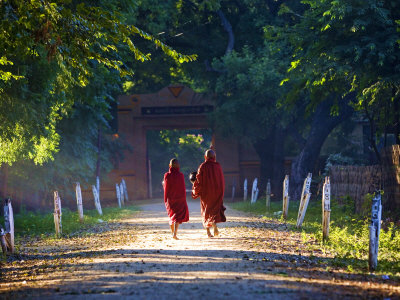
[357, 181]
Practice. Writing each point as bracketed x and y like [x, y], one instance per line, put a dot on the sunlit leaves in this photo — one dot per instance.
[351, 44]
[49, 49]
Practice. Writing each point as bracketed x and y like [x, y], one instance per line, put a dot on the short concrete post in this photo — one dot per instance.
[285, 208]
[374, 231]
[303, 209]
[57, 214]
[268, 195]
[305, 197]
[97, 200]
[245, 190]
[98, 186]
[125, 190]
[326, 208]
[9, 225]
[306, 186]
[121, 192]
[118, 192]
[78, 193]
[254, 191]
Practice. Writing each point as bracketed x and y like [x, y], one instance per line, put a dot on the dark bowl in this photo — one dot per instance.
[192, 177]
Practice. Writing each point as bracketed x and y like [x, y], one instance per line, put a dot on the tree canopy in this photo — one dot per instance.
[48, 50]
[284, 73]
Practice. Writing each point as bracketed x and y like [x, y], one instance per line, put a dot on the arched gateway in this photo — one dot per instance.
[173, 107]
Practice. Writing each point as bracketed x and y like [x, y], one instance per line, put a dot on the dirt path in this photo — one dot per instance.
[136, 258]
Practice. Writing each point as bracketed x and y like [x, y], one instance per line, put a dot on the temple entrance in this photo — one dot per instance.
[188, 146]
[172, 108]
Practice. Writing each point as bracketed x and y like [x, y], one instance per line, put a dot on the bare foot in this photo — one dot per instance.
[209, 233]
[216, 232]
[175, 237]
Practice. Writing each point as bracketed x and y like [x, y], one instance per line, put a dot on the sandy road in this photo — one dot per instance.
[137, 259]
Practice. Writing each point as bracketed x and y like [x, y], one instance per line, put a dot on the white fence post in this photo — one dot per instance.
[57, 214]
[306, 186]
[9, 224]
[97, 200]
[118, 192]
[125, 190]
[285, 209]
[374, 231]
[305, 197]
[98, 186]
[245, 190]
[303, 209]
[121, 192]
[326, 208]
[254, 191]
[268, 195]
[78, 193]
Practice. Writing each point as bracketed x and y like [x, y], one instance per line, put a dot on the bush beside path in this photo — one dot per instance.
[136, 257]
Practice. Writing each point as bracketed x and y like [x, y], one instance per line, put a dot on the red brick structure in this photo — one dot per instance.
[173, 107]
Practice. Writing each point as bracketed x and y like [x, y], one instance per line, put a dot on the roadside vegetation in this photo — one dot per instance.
[39, 224]
[348, 234]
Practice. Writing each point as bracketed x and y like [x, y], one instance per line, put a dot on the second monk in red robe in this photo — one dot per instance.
[210, 186]
[175, 197]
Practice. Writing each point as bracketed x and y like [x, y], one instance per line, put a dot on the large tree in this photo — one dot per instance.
[48, 48]
[345, 53]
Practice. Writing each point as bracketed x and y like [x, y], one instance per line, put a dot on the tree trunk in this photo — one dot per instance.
[372, 139]
[322, 124]
[228, 28]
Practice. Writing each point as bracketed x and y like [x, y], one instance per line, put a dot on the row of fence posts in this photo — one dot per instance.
[376, 214]
[7, 234]
[121, 192]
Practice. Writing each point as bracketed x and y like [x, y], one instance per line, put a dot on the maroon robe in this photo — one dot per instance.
[175, 196]
[210, 186]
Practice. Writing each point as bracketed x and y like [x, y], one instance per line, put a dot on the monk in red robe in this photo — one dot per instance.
[175, 197]
[209, 186]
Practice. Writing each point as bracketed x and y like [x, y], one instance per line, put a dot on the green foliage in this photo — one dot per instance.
[337, 159]
[248, 94]
[42, 224]
[188, 146]
[51, 49]
[78, 134]
[348, 234]
[346, 46]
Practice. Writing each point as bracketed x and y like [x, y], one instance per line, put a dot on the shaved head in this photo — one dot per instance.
[174, 162]
[210, 153]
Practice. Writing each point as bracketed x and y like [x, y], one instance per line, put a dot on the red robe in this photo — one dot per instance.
[175, 196]
[210, 186]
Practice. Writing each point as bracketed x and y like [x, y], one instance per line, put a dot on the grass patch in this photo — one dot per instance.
[42, 224]
[348, 234]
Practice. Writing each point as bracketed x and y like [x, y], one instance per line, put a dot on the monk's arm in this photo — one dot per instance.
[196, 190]
[166, 188]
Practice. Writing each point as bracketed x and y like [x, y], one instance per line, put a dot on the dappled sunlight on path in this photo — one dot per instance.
[252, 259]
